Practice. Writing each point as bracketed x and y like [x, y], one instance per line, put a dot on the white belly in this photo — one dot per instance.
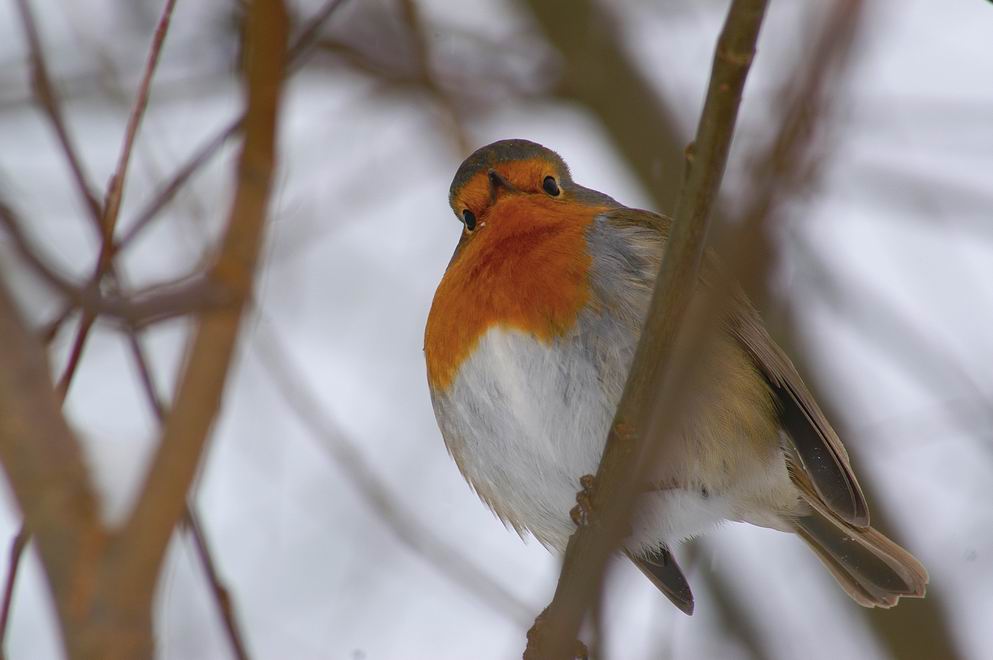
[527, 464]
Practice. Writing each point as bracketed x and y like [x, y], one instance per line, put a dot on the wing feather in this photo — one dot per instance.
[821, 454]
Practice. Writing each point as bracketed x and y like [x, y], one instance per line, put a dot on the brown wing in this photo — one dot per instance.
[822, 456]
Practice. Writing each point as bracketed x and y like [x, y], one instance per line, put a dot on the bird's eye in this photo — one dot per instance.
[551, 186]
[469, 218]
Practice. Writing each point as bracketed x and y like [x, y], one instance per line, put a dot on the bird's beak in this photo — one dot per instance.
[497, 183]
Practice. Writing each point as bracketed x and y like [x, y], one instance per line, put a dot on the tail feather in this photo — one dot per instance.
[875, 571]
[663, 571]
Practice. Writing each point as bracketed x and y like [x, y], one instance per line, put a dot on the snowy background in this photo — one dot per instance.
[886, 270]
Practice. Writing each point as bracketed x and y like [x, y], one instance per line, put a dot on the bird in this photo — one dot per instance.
[529, 339]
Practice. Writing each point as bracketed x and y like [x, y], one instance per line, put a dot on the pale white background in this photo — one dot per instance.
[361, 234]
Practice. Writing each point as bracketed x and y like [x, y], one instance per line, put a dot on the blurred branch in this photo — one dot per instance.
[108, 220]
[615, 492]
[447, 560]
[894, 334]
[219, 591]
[191, 519]
[45, 93]
[115, 192]
[141, 308]
[115, 188]
[930, 198]
[734, 616]
[45, 469]
[600, 75]
[422, 56]
[295, 57]
[160, 504]
[17, 546]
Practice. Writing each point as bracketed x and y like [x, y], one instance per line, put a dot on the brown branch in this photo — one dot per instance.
[600, 74]
[157, 303]
[191, 519]
[615, 492]
[222, 596]
[422, 57]
[17, 546]
[45, 92]
[115, 189]
[160, 505]
[44, 467]
[295, 58]
[115, 193]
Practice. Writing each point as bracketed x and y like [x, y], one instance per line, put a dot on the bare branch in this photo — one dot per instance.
[220, 592]
[45, 92]
[115, 192]
[295, 57]
[115, 189]
[43, 464]
[615, 492]
[601, 75]
[144, 307]
[17, 546]
[191, 519]
[161, 502]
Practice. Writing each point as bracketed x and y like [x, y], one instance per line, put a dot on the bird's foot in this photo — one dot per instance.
[583, 511]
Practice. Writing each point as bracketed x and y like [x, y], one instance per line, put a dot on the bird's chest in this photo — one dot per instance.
[525, 418]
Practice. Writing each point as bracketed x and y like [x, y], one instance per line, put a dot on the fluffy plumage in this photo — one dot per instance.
[528, 344]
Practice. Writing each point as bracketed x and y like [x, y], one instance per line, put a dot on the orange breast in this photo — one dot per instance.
[526, 269]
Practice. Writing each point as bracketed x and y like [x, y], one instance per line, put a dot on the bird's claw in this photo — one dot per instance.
[583, 511]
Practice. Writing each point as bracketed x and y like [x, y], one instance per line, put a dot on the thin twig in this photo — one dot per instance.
[75, 353]
[615, 492]
[115, 193]
[191, 519]
[45, 92]
[222, 596]
[295, 57]
[115, 189]
[17, 546]
[191, 293]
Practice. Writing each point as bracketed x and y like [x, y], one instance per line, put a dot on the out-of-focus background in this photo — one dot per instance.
[337, 521]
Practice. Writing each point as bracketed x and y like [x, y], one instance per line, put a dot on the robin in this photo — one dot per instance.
[528, 344]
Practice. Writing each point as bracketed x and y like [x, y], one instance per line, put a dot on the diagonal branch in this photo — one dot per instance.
[301, 46]
[614, 495]
[45, 93]
[143, 307]
[115, 192]
[42, 461]
[601, 75]
[162, 500]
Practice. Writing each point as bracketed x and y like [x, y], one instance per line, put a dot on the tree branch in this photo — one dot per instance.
[43, 464]
[295, 58]
[162, 499]
[614, 494]
[45, 93]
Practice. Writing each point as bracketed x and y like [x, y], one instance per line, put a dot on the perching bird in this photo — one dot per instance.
[528, 345]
